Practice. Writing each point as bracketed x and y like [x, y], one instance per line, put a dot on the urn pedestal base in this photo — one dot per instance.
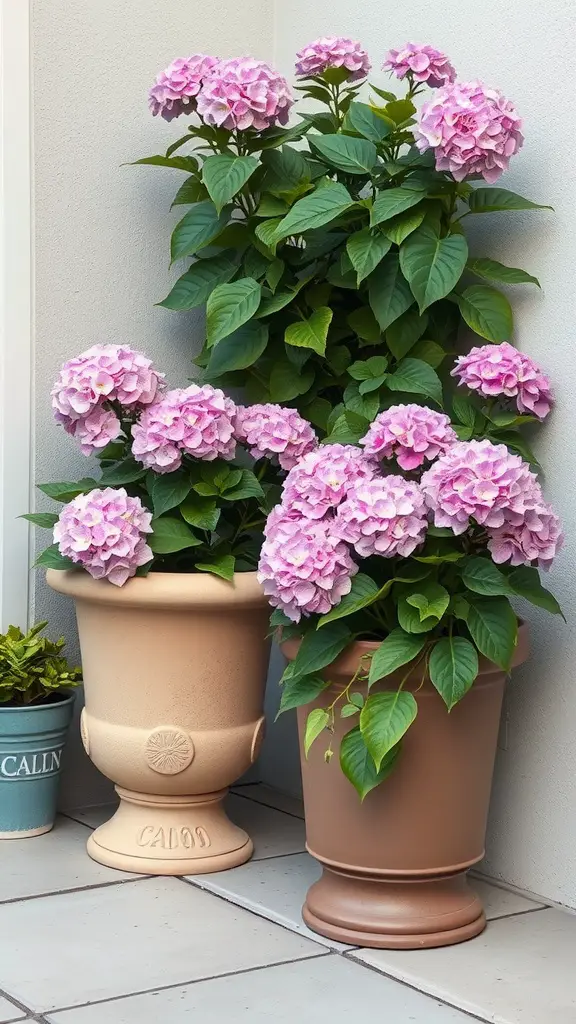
[170, 835]
[391, 914]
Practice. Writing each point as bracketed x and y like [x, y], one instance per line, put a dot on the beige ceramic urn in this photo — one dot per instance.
[174, 674]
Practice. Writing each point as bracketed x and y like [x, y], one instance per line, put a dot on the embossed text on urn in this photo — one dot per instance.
[168, 751]
[173, 838]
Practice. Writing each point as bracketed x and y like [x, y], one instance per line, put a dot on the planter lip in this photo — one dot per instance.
[161, 589]
[347, 661]
[4, 709]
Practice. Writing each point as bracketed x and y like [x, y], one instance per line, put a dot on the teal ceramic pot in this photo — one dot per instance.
[31, 743]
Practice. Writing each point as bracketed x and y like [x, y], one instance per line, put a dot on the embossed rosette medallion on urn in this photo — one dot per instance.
[174, 670]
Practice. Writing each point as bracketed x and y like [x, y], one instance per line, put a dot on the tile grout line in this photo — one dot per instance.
[271, 807]
[349, 955]
[15, 1003]
[516, 913]
[77, 888]
[186, 982]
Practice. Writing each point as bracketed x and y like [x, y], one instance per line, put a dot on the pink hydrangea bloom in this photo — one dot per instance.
[472, 129]
[322, 479]
[271, 430]
[244, 93]
[175, 88]
[93, 431]
[538, 538]
[410, 433]
[481, 481]
[333, 52]
[496, 370]
[304, 568]
[197, 421]
[104, 532]
[423, 63]
[386, 516]
[113, 373]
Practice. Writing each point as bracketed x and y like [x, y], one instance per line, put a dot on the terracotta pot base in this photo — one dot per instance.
[163, 835]
[386, 914]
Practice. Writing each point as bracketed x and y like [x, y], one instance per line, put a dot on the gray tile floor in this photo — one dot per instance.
[81, 944]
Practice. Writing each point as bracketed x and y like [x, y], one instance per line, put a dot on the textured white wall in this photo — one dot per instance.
[102, 230]
[518, 46]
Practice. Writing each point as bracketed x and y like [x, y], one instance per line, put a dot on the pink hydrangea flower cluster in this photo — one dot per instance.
[87, 385]
[271, 430]
[304, 566]
[422, 63]
[472, 130]
[410, 433]
[483, 481]
[501, 370]
[197, 421]
[333, 52]
[244, 93]
[105, 533]
[175, 89]
[384, 516]
[321, 479]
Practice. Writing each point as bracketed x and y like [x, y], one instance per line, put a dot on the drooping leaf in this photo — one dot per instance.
[525, 581]
[197, 228]
[125, 472]
[491, 270]
[358, 766]
[384, 719]
[45, 520]
[199, 511]
[51, 558]
[494, 628]
[397, 649]
[487, 311]
[314, 210]
[432, 265]
[392, 202]
[229, 306]
[430, 598]
[362, 593]
[178, 163]
[416, 377]
[68, 490]
[238, 350]
[224, 176]
[194, 287]
[192, 191]
[389, 292]
[170, 535]
[410, 621]
[311, 333]
[222, 565]
[362, 119]
[488, 200]
[246, 486]
[320, 647]
[453, 668]
[403, 225]
[299, 691]
[348, 154]
[316, 722]
[366, 249]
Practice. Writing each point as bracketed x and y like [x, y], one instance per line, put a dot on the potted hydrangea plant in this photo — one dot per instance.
[159, 551]
[36, 703]
[332, 257]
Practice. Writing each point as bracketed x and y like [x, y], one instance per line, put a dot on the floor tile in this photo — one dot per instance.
[519, 971]
[273, 832]
[129, 938]
[7, 1009]
[264, 794]
[275, 888]
[51, 863]
[500, 902]
[327, 990]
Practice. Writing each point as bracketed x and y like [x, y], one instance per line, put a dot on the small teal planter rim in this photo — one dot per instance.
[37, 707]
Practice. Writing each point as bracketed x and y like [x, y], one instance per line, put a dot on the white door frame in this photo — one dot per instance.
[16, 320]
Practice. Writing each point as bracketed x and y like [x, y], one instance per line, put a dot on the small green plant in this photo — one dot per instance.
[32, 667]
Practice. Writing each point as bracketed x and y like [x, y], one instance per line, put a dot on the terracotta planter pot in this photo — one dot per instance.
[174, 674]
[394, 866]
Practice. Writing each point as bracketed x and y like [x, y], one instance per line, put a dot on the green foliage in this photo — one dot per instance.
[33, 668]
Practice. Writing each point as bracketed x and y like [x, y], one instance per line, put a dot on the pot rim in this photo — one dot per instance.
[4, 709]
[162, 589]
